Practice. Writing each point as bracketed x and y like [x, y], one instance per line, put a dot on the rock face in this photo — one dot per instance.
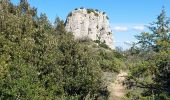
[88, 23]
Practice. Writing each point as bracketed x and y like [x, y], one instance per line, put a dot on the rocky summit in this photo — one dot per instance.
[90, 24]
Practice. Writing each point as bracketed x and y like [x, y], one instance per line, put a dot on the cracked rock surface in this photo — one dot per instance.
[85, 23]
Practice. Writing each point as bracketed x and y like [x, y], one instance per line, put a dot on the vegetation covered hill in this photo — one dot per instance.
[40, 60]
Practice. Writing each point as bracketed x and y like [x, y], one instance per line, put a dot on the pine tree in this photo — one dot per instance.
[151, 73]
[159, 39]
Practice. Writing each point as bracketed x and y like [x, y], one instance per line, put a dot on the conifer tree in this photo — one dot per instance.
[151, 73]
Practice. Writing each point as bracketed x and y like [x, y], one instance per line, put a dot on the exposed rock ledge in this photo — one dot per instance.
[89, 23]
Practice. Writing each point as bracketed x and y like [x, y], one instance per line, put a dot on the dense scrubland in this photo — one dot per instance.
[39, 60]
[148, 62]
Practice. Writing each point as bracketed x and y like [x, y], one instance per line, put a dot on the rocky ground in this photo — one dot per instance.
[116, 88]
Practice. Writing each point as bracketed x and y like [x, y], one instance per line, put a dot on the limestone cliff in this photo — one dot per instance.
[89, 23]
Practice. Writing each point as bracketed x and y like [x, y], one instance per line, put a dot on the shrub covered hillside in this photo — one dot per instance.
[40, 60]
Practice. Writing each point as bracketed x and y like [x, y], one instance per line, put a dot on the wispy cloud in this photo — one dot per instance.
[120, 28]
[139, 28]
[127, 27]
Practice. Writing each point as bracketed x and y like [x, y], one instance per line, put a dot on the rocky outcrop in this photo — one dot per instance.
[89, 23]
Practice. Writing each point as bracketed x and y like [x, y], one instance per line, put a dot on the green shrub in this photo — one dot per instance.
[41, 61]
[96, 10]
[109, 33]
[97, 26]
[92, 11]
[70, 14]
[104, 45]
[148, 62]
[107, 17]
[81, 7]
[108, 61]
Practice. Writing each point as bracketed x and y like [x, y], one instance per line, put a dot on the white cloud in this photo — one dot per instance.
[120, 28]
[124, 27]
[139, 28]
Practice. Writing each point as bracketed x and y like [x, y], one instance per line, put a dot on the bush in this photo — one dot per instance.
[96, 10]
[97, 26]
[70, 14]
[149, 62]
[81, 7]
[92, 11]
[109, 33]
[40, 61]
[104, 45]
[109, 62]
[81, 69]
[107, 17]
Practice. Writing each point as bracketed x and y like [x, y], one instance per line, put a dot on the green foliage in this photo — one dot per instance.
[158, 39]
[149, 65]
[59, 26]
[109, 61]
[92, 11]
[104, 45]
[101, 44]
[96, 10]
[97, 26]
[109, 33]
[107, 17]
[81, 7]
[69, 15]
[42, 61]
[81, 71]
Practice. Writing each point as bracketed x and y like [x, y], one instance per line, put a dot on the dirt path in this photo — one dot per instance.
[117, 90]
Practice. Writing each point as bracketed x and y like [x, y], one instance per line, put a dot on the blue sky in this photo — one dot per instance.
[127, 17]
